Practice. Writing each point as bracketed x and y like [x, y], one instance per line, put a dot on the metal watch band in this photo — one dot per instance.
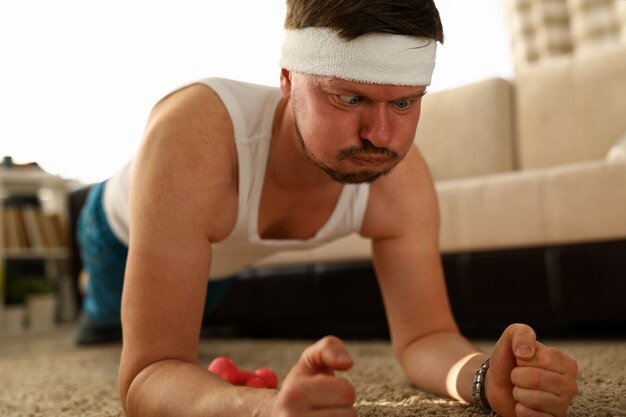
[478, 387]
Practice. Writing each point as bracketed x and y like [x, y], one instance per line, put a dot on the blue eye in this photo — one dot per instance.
[403, 103]
[351, 100]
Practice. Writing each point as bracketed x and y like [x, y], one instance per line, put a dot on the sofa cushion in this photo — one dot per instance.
[593, 23]
[571, 109]
[585, 202]
[467, 131]
[581, 202]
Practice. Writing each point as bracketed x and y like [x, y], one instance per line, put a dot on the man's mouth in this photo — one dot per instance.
[371, 159]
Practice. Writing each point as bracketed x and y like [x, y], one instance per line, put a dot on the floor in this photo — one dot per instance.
[31, 343]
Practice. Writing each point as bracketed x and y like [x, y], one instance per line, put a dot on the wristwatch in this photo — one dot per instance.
[478, 387]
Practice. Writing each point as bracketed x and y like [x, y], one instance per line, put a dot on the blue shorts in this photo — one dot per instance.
[104, 259]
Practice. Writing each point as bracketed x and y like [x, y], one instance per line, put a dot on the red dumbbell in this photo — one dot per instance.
[226, 369]
[268, 376]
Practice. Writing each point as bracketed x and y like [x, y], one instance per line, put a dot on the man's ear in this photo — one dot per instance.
[285, 83]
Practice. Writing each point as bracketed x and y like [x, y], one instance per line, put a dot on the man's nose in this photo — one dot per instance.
[375, 125]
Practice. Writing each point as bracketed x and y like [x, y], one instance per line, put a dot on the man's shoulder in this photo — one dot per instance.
[194, 114]
[400, 198]
[404, 181]
[192, 128]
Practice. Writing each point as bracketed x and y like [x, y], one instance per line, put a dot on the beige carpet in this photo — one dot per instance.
[45, 375]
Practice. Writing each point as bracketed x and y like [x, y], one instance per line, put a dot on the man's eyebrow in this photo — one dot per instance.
[337, 88]
[334, 85]
[346, 91]
[418, 95]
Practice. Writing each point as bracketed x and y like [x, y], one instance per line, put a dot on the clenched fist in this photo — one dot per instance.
[311, 387]
[527, 378]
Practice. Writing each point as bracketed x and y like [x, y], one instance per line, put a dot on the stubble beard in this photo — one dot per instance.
[348, 177]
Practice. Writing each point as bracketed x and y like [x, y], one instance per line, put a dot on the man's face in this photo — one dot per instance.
[355, 132]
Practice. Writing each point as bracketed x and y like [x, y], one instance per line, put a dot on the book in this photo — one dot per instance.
[60, 229]
[16, 234]
[53, 231]
[6, 234]
[33, 229]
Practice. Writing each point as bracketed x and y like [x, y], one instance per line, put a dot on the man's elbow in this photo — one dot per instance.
[130, 383]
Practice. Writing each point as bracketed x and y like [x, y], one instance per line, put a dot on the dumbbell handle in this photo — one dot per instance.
[243, 376]
[226, 368]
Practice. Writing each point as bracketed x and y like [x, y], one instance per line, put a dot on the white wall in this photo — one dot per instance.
[78, 77]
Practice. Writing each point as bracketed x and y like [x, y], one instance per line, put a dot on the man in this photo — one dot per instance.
[229, 172]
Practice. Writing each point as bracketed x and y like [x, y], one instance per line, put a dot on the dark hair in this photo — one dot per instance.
[353, 18]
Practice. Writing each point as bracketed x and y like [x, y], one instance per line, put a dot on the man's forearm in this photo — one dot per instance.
[174, 387]
[442, 363]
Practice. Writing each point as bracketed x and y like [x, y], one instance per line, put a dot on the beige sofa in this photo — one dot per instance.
[520, 163]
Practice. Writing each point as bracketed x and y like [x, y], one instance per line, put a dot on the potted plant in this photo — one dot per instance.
[38, 295]
[41, 305]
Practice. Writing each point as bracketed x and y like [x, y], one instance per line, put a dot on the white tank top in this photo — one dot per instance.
[251, 108]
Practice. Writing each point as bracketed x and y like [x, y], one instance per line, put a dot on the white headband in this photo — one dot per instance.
[374, 58]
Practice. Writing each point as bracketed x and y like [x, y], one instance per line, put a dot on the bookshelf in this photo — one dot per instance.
[34, 245]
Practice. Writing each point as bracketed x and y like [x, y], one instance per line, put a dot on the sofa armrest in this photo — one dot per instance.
[468, 130]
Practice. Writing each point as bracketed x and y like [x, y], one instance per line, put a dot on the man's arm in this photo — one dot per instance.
[182, 198]
[403, 222]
